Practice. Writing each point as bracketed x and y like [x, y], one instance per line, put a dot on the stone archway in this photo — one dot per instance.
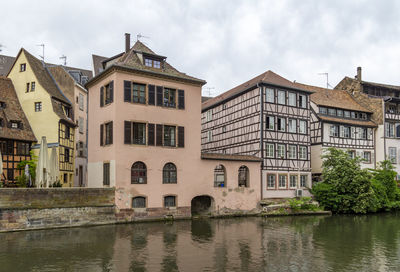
[202, 205]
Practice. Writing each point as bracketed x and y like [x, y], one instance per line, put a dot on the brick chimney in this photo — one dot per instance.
[127, 42]
[359, 73]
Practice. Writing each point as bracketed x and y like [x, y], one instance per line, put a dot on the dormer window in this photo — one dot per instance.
[2, 105]
[67, 111]
[15, 124]
[152, 63]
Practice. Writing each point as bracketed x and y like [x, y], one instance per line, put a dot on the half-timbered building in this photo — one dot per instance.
[16, 135]
[384, 101]
[269, 117]
[337, 120]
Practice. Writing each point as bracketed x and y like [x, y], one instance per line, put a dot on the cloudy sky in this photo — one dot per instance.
[223, 42]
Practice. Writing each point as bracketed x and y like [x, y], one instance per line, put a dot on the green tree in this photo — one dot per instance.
[32, 169]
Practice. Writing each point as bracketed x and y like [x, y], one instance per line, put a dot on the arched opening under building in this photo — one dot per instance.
[202, 205]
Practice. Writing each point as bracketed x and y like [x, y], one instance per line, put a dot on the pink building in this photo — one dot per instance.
[144, 140]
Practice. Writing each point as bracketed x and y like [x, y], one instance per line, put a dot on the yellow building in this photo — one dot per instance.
[48, 110]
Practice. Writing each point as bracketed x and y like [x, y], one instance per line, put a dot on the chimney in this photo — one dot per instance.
[127, 42]
[359, 73]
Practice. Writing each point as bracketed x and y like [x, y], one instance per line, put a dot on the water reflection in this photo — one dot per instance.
[337, 243]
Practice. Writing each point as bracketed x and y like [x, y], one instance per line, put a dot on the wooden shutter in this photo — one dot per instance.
[102, 97]
[181, 137]
[127, 91]
[101, 135]
[111, 92]
[181, 99]
[127, 132]
[152, 94]
[111, 132]
[150, 139]
[159, 95]
[159, 135]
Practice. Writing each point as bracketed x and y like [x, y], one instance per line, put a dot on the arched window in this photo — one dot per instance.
[243, 176]
[169, 173]
[138, 173]
[169, 201]
[219, 176]
[139, 202]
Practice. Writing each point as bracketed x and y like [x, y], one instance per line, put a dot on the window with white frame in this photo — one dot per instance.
[209, 115]
[389, 130]
[292, 126]
[282, 181]
[209, 136]
[270, 122]
[367, 156]
[270, 150]
[292, 99]
[80, 101]
[302, 152]
[323, 110]
[339, 113]
[292, 151]
[293, 181]
[271, 180]
[331, 111]
[302, 101]
[281, 97]
[351, 153]
[392, 155]
[303, 180]
[270, 96]
[362, 133]
[281, 151]
[302, 127]
[281, 123]
[334, 131]
[346, 114]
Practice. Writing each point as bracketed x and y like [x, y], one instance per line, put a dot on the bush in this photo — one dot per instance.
[304, 203]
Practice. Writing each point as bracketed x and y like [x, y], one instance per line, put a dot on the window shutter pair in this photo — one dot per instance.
[159, 95]
[111, 132]
[127, 91]
[127, 132]
[181, 99]
[152, 94]
[102, 97]
[181, 137]
[101, 135]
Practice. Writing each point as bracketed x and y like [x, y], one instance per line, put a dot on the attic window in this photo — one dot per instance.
[15, 124]
[2, 105]
[22, 67]
[152, 63]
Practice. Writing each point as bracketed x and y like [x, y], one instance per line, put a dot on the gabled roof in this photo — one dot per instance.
[13, 112]
[333, 98]
[97, 64]
[132, 62]
[6, 63]
[267, 77]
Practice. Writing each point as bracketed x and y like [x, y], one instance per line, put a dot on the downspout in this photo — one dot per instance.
[87, 139]
[261, 137]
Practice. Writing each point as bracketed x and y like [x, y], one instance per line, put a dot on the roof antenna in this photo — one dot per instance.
[1, 45]
[327, 79]
[139, 36]
[63, 57]
[42, 56]
[209, 90]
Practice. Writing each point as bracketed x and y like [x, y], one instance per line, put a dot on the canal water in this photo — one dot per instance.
[336, 243]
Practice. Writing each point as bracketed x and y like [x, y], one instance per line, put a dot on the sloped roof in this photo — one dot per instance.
[267, 77]
[58, 109]
[331, 119]
[97, 64]
[229, 157]
[6, 63]
[131, 61]
[13, 112]
[333, 98]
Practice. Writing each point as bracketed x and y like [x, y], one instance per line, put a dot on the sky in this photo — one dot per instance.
[223, 42]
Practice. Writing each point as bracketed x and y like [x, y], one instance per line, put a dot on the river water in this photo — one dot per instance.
[336, 243]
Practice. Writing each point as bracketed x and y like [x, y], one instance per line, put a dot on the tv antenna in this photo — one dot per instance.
[1, 45]
[209, 90]
[327, 79]
[42, 56]
[63, 57]
[139, 36]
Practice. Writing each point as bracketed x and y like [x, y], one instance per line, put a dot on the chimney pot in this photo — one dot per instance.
[127, 42]
[359, 73]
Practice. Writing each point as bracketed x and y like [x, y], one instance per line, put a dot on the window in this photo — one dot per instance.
[281, 122]
[302, 101]
[271, 178]
[22, 149]
[293, 181]
[346, 132]
[302, 152]
[1, 122]
[397, 128]
[292, 152]
[346, 114]
[81, 125]
[148, 62]
[3, 105]
[282, 181]
[351, 153]
[362, 133]
[169, 136]
[169, 173]
[14, 124]
[66, 154]
[364, 116]
[209, 115]
[332, 112]
[334, 131]
[223, 129]
[282, 97]
[392, 155]
[367, 156]
[169, 201]
[270, 96]
[139, 133]
[281, 152]
[322, 110]
[152, 63]
[353, 115]
[219, 176]
[270, 150]
[270, 121]
[156, 64]
[22, 67]
[292, 126]
[303, 180]
[107, 94]
[33, 85]
[65, 178]
[27, 87]
[169, 98]
[302, 127]
[67, 132]
[138, 173]
[80, 101]
[209, 136]
[339, 113]
[243, 176]
[292, 99]
[139, 93]
[139, 202]
[389, 130]
[107, 131]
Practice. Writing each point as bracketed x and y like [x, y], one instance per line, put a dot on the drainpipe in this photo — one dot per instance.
[261, 136]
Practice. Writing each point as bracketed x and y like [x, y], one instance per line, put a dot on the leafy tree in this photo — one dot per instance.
[32, 168]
